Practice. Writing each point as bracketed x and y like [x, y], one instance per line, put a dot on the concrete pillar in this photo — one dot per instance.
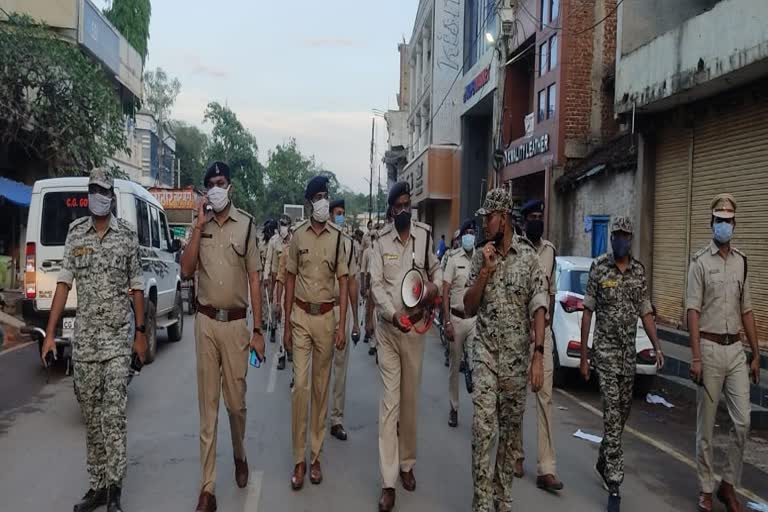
[424, 127]
[412, 80]
[424, 58]
[419, 76]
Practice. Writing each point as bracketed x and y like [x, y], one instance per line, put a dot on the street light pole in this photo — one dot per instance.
[370, 182]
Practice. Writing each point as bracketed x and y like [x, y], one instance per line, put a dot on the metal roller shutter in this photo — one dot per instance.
[671, 218]
[730, 154]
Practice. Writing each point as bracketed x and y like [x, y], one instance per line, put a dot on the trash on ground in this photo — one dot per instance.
[588, 437]
[760, 507]
[656, 399]
[562, 408]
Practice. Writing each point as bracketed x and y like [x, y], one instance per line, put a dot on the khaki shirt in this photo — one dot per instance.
[352, 266]
[271, 246]
[546, 252]
[104, 270]
[280, 247]
[312, 258]
[281, 258]
[456, 275]
[390, 259]
[223, 265]
[719, 290]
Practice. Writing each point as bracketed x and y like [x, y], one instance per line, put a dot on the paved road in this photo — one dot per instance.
[42, 466]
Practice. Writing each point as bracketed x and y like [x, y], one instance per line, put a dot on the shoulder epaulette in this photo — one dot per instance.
[334, 226]
[77, 222]
[700, 253]
[524, 241]
[386, 230]
[602, 259]
[245, 213]
[301, 224]
[549, 244]
[426, 227]
[739, 252]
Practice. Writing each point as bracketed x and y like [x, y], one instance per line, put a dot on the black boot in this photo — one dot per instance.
[92, 500]
[281, 362]
[113, 505]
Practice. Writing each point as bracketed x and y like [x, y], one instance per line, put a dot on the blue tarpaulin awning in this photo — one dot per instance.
[15, 192]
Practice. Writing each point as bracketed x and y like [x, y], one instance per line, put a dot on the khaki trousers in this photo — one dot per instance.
[464, 331]
[400, 358]
[370, 318]
[222, 361]
[546, 443]
[312, 343]
[724, 369]
[340, 364]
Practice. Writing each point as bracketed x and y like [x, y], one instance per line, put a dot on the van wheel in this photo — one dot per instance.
[151, 332]
[176, 330]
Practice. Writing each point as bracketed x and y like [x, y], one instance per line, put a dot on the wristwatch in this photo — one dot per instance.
[141, 328]
[257, 330]
[539, 349]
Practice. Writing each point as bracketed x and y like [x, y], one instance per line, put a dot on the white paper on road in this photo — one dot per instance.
[760, 507]
[656, 399]
[588, 437]
[561, 408]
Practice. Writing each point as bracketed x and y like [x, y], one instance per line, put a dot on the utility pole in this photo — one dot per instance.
[370, 182]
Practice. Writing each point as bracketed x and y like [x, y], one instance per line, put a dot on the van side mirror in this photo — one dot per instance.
[175, 245]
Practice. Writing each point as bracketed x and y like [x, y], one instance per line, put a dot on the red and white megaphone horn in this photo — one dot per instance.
[412, 289]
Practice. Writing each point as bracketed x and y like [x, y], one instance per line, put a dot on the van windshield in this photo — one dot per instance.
[59, 210]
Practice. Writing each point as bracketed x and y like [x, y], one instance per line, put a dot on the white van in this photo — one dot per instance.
[56, 202]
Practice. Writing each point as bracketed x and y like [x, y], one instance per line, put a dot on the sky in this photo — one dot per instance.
[305, 69]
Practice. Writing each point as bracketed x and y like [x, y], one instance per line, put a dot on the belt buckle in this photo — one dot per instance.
[222, 315]
[314, 309]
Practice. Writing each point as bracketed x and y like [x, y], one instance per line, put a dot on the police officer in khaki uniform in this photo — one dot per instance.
[279, 253]
[459, 327]
[719, 306]
[401, 246]
[224, 251]
[341, 357]
[532, 215]
[316, 259]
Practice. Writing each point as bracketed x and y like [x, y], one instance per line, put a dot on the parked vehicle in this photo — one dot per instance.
[59, 201]
[571, 274]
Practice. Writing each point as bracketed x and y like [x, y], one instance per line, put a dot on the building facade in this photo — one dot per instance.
[147, 164]
[435, 61]
[694, 82]
[398, 135]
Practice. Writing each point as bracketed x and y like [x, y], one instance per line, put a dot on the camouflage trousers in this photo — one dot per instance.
[102, 391]
[616, 390]
[499, 407]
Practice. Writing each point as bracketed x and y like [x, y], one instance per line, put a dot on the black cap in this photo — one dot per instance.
[217, 169]
[532, 206]
[315, 185]
[337, 203]
[398, 189]
[468, 224]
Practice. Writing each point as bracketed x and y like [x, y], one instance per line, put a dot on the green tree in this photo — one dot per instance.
[56, 105]
[191, 145]
[160, 93]
[231, 142]
[131, 18]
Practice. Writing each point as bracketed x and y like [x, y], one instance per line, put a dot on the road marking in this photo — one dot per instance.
[273, 374]
[663, 447]
[254, 492]
[17, 347]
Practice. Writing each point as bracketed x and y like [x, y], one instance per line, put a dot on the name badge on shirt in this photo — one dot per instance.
[390, 256]
[461, 267]
[82, 251]
[609, 283]
[714, 271]
[206, 235]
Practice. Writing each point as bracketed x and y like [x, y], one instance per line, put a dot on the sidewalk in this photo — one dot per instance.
[675, 380]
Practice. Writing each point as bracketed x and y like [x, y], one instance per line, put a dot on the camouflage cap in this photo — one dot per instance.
[724, 206]
[622, 223]
[497, 200]
[101, 178]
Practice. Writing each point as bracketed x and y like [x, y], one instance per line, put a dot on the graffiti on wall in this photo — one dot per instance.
[448, 36]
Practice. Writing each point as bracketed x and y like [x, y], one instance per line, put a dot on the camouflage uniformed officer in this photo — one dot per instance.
[223, 250]
[101, 254]
[280, 252]
[459, 327]
[341, 357]
[532, 215]
[266, 249]
[401, 246]
[719, 306]
[617, 293]
[506, 288]
[316, 260]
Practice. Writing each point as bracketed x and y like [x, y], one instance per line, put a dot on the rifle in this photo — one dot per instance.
[468, 373]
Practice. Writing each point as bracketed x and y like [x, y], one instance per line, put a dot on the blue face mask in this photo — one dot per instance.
[723, 232]
[339, 220]
[468, 242]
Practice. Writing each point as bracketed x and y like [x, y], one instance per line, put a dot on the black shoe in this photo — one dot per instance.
[291, 383]
[290, 357]
[281, 362]
[371, 351]
[614, 501]
[339, 433]
[92, 500]
[365, 340]
[462, 367]
[113, 504]
[453, 419]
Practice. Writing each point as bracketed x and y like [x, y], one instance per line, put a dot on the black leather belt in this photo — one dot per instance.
[222, 315]
[460, 314]
[721, 339]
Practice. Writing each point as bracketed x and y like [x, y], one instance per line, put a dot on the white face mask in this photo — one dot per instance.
[219, 198]
[99, 205]
[283, 231]
[321, 210]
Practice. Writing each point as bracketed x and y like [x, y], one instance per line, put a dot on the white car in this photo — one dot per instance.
[571, 275]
